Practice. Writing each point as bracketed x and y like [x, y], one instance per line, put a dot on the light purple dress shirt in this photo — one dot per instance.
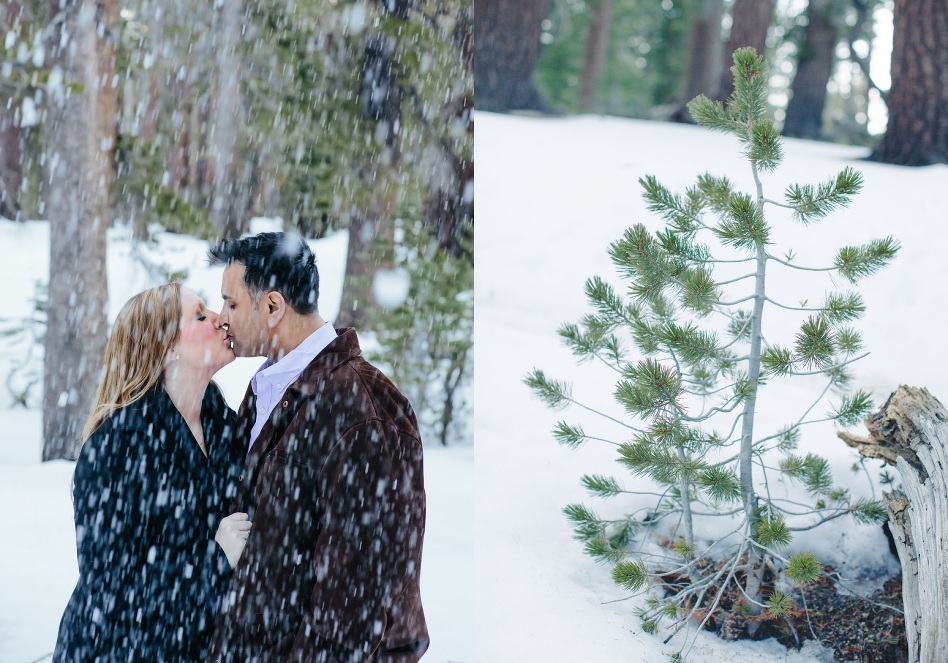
[272, 379]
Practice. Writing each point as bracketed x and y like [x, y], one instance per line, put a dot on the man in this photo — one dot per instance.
[332, 481]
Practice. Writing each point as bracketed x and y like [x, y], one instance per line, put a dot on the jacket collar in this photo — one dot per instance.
[336, 354]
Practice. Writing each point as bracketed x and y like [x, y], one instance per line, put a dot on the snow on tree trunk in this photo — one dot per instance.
[911, 432]
[81, 135]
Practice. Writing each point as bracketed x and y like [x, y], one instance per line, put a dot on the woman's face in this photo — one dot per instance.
[201, 341]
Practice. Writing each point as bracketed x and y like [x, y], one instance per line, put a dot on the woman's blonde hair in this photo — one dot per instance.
[146, 329]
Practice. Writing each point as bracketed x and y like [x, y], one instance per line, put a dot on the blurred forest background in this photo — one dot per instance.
[868, 72]
[331, 114]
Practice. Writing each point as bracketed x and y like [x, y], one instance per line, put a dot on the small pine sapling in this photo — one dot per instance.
[691, 391]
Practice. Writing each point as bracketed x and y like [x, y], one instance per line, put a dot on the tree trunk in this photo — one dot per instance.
[372, 228]
[917, 132]
[226, 210]
[11, 165]
[11, 133]
[506, 51]
[594, 61]
[910, 432]
[705, 54]
[814, 69]
[750, 20]
[81, 134]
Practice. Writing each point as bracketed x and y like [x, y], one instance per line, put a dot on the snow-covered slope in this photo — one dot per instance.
[552, 193]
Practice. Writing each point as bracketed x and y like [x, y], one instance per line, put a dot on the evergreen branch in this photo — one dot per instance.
[803, 269]
[680, 216]
[776, 361]
[601, 486]
[825, 519]
[840, 307]
[716, 190]
[738, 301]
[713, 115]
[815, 343]
[868, 512]
[856, 262]
[810, 205]
[744, 226]
[830, 368]
[848, 340]
[792, 308]
[778, 204]
[608, 304]
[554, 393]
[852, 409]
[739, 278]
[765, 151]
[569, 435]
[649, 387]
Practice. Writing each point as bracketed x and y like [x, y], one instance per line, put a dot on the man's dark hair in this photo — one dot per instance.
[274, 261]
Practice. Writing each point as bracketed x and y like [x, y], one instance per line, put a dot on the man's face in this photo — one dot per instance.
[246, 323]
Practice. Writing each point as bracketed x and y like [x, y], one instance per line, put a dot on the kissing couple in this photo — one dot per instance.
[289, 531]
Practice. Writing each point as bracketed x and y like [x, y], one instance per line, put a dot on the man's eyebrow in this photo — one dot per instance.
[225, 297]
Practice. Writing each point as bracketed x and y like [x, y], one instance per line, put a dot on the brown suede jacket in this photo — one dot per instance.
[335, 490]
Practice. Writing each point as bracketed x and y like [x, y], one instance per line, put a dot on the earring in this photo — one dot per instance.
[177, 356]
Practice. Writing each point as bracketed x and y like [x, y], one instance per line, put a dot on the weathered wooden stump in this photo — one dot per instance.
[910, 432]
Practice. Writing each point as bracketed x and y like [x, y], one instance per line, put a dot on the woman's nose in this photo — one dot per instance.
[215, 319]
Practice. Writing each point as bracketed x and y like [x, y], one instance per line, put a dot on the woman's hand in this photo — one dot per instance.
[232, 536]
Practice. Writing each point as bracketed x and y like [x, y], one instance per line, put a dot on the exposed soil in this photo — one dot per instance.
[855, 628]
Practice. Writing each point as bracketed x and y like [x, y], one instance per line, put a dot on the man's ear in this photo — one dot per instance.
[276, 308]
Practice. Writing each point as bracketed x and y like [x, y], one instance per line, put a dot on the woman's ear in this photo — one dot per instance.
[276, 308]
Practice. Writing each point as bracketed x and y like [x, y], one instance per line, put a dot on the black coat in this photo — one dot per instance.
[147, 506]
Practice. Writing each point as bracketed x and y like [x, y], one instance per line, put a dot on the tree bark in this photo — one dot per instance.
[11, 133]
[910, 432]
[705, 53]
[917, 132]
[227, 210]
[81, 134]
[750, 20]
[506, 51]
[372, 228]
[11, 165]
[594, 61]
[814, 69]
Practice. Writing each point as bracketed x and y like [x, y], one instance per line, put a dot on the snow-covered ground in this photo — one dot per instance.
[37, 540]
[552, 193]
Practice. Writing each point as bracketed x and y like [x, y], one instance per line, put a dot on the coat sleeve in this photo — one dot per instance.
[368, 549]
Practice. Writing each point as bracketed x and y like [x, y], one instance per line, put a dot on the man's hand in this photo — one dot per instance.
[232, 536]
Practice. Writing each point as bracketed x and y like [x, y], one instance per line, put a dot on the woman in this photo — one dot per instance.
[155, 468]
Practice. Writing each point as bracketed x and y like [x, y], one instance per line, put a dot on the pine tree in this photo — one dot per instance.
[691, 390]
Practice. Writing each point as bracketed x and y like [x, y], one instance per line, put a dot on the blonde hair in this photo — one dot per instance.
[144, 332]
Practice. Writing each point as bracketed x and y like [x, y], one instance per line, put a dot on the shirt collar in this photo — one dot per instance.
[296, 360]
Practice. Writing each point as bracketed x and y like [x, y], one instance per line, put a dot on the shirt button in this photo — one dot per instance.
[285, 403]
